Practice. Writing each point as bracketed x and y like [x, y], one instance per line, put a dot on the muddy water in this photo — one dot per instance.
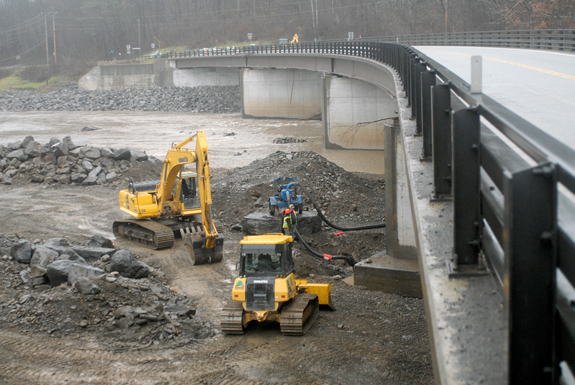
[154, 132]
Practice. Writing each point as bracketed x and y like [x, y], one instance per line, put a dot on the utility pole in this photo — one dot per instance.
[46, 32]
[139, 44]
[54, 36]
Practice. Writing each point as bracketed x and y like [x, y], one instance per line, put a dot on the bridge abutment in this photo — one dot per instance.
[354, 114]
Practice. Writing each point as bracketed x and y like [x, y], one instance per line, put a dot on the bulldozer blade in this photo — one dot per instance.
[200, 255]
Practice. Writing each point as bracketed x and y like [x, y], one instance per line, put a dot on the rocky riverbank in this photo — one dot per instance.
[174, 99]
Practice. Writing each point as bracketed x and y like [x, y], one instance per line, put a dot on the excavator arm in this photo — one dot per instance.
[203, 171]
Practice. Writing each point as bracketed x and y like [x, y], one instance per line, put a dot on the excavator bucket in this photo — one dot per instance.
[195, 243]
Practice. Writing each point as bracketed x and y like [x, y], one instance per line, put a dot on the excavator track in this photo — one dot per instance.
[299, 314]
[232, 318]
[147, 232]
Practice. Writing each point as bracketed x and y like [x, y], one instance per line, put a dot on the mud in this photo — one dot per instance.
[372, 337]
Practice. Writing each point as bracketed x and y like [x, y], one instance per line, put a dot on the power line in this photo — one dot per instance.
[24, 24]
[36, 46]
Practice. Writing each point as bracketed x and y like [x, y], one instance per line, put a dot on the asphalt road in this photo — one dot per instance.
[537, 85]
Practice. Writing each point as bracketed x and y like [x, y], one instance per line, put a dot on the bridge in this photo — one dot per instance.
[480, 199]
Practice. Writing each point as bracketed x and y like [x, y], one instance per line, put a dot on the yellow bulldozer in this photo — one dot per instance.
[267, 290]
[179, 202]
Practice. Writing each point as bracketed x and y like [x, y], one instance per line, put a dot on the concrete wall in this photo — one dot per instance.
[120, 76]
[354, 114]
[197, 77]
[275, 93]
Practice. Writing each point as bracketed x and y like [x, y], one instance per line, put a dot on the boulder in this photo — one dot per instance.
[27, 140]
[138, 155]
[86, 287]
[90, 180]
[57, 242]
[13, 146]
[106, 153]
[122, 154]
[181, 310]
[87, 165]
[22, 251]
[34, 149]
[124, 263]
[77, 177]
[71, 255]
[17, 154]
[95, 172]
[79, 270]
[68, 142]
[99, 241]
[111, 176]
[93, 253]
[58, 271]
[53, 141]
[89, 152]
[43, 256]
[59, 149]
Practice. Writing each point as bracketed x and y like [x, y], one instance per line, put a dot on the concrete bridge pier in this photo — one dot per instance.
[396, 269]
[280, 93]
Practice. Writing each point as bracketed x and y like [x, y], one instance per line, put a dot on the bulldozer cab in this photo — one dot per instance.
[261, 259]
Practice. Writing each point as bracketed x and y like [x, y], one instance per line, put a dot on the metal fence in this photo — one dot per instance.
[513, 192]
[549, 39]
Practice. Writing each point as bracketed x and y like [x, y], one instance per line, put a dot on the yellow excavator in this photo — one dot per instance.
[266, 289]
[179, 202]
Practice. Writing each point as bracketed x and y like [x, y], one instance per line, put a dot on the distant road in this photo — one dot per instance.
[537, 85]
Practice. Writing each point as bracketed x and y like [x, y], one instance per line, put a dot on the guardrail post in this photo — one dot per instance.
[409, 85]
[427, 81]
[419, 69]
[441, 128]
[530, 245]
[467, 221]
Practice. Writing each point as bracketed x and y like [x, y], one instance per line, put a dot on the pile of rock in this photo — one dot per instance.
[177, 99]
[57, 262]
[66, 162]
[62, 288]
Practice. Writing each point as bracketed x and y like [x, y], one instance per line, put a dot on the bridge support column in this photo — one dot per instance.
[280, 93]
[395, 270]
[354, 114]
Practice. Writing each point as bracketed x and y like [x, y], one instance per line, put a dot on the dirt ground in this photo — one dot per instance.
[372, 337]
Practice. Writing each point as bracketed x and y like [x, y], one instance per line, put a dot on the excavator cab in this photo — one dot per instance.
[187, 185]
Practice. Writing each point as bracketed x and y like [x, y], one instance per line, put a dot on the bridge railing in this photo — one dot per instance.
[549, 39]
[513, 192]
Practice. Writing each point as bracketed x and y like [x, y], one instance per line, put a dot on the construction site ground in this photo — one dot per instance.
[371, 337]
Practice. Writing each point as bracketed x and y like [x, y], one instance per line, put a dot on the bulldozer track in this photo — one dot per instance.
[232, 318]
[147, 232]
[299, 314]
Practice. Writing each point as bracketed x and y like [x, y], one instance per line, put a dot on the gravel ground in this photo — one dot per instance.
[372, 337]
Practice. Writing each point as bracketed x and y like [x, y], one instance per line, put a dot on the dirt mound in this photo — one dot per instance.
[347, 199]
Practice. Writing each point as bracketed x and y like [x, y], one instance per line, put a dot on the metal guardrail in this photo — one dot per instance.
[548, 39]
[513, 192]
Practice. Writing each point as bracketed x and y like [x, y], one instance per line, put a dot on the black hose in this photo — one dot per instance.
[328, 257]
[367, 227]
